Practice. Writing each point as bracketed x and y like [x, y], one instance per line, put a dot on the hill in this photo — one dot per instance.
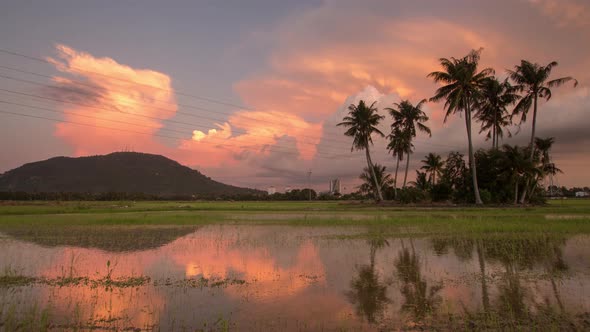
[123, 172]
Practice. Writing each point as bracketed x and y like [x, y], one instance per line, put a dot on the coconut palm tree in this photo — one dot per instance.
[532, 79]
[400, 144]
[516, 166]
[362, 121]
[433, 164]
[543, 146]
[454, 170]
[492, 108]
[461, 90]
[409, 119]
[383, 179]
[421, 181]
[543, 158]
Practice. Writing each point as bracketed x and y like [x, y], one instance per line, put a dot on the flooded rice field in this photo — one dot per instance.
[289, 278]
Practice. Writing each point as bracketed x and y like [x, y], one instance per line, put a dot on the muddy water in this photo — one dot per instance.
[291, 278]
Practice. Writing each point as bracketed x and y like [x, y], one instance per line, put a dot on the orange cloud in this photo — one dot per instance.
[257, 266]
[119, 94]
[262, 130]
[314, 81]
[565, 12]
[132, 104]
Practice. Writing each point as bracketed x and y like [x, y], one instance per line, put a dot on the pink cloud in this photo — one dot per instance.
[130, 106]
[565, 12]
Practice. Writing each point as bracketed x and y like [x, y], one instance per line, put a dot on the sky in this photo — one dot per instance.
[250, 92]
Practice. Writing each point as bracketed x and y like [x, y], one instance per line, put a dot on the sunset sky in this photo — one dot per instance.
[249, 92]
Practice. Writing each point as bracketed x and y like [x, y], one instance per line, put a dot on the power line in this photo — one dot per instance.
[318, 154]
[89, 116]
[152, 107]
[332, 158]
[211, 100]
[154, 99]
[240, 107]
[129, 123]
[192, 125]
[166, 90]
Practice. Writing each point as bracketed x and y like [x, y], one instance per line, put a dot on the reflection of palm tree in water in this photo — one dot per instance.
[419, 298]
[514, 254]
[512, 293]
[367, 292]
[555, 267]
[485, 298]
[524, 253]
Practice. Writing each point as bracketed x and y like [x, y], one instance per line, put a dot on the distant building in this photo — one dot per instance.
[272, 190]
[335, 188]
[582, 194]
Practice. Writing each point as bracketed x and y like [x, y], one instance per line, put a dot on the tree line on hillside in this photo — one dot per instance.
[501, 174]
[293, 195]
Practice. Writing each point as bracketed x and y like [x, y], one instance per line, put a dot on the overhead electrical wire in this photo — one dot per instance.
[271, 147]
[211, 100]
[193, 125]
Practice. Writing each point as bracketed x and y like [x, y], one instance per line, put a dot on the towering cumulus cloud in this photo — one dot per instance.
[128, 100]
[124, 108]
[318, 61]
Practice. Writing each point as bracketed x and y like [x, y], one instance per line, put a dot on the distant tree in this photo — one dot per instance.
[462, 89]
[400, 144]
[421, 182]
[383, 179]
[362, 121]
[492, 108]
[455, 170]
[543, 160]
[433, 164]
[543, 146]
[516, 167]
[408, 119]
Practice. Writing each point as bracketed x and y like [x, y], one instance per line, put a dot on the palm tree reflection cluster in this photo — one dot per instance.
[372, 294]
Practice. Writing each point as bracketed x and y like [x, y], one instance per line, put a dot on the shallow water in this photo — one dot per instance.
[290, 278]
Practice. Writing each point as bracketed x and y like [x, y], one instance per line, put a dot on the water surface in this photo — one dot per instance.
[290, 278]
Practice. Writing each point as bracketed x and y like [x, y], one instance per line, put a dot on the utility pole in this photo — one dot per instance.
[309, 183]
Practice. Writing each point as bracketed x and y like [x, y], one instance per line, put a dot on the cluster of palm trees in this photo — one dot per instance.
[468, 90]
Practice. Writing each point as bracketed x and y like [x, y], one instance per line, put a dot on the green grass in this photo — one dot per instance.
[569, 216]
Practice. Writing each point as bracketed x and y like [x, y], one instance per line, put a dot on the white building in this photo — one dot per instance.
[271, 190]
[582, 194]
[335, 187]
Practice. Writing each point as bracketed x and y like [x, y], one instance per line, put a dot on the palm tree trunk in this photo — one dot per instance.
[516, 193]
[407, 166]
[378, 197]
[485, 298]
[532, 144]
[531, 147]
[372, 255]
[556, 293]
[395, 178]
[494, 138]
[471, 157]
[433, 177]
